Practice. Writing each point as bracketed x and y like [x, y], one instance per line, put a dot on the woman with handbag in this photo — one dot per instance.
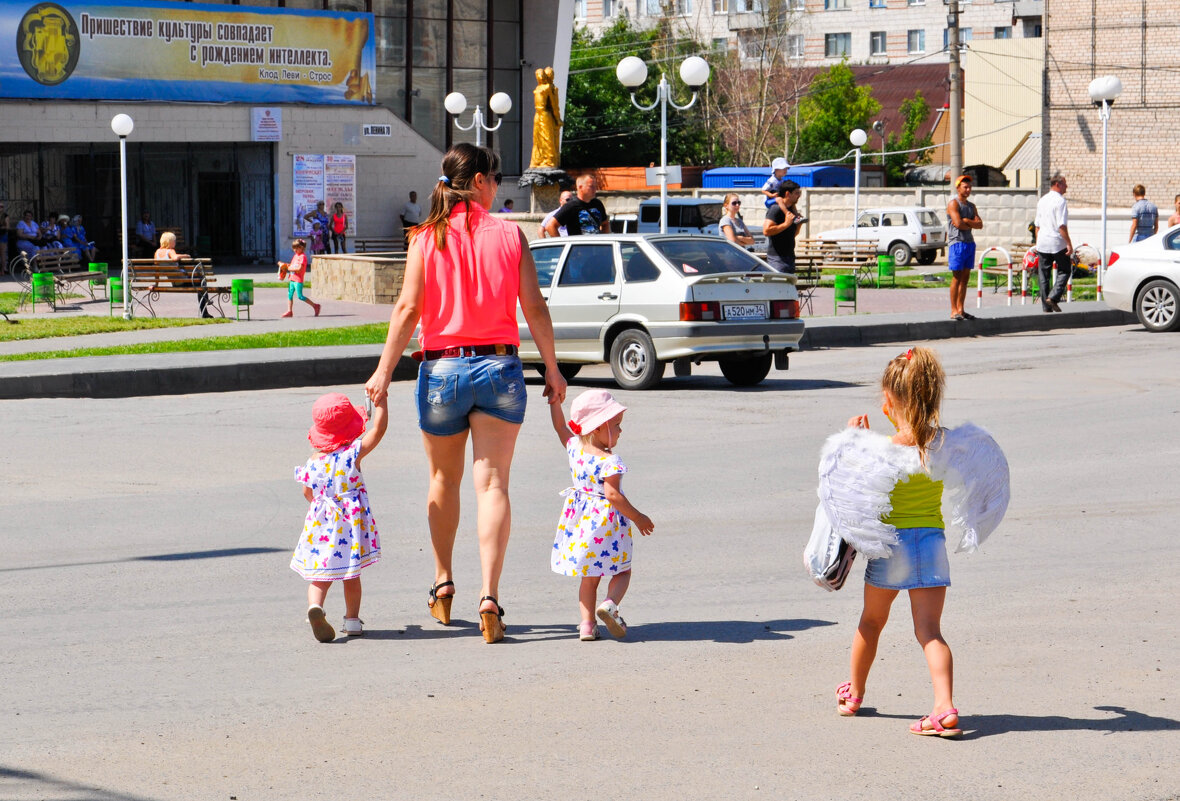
[883, 496]
[465, 273]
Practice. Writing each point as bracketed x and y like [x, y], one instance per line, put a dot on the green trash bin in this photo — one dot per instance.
[44, 290]
[991, 263]
[886, 269]
[845, 291]
[99, 268]
[114, 294]
[242, 294]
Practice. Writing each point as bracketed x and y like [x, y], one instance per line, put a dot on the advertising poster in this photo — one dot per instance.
[96, 50]
[329, 178]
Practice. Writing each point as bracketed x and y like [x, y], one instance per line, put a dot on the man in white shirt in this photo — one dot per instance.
[1053, 243]
[562, 199]
[411, 215]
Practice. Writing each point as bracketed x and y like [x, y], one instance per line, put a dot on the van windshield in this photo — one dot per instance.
[704, 256]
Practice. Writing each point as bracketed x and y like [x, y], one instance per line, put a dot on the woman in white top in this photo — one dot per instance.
[731, 225]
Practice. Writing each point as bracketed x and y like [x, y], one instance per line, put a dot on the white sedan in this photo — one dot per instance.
[1144, 277]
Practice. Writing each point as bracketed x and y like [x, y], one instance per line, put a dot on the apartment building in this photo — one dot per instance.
[823, 32]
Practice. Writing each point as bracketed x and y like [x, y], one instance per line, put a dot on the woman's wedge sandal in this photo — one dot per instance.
[936, 728]
[440, 605]
[846, 704]
[491, 623]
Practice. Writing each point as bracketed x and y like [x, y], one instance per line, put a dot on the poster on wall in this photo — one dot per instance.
[330, 178]
[150, 50]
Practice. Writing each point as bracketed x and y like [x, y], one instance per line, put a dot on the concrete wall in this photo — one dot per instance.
[358, 277]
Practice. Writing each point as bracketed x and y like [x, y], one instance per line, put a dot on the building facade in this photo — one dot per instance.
[824, 32]
[1134, 40]
[217, 157]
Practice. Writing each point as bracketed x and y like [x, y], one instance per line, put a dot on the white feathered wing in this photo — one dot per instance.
[975, 479]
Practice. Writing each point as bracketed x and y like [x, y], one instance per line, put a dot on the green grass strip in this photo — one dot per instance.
[46, 327]
[370, 334]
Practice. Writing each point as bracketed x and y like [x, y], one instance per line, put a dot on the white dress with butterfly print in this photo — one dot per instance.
[593, 538]
[339, 534]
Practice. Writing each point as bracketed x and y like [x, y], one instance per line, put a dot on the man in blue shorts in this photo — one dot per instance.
[962, 221]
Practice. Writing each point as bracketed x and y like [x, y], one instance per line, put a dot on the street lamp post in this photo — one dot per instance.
[499, 103]
[858, 138]
[632, 73]
[1103, 92]
[123, 125]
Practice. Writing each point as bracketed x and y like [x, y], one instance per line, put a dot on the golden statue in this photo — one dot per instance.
[546, 121]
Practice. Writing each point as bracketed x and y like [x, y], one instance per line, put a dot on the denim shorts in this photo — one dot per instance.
[918, 560]
[450, 389]
[960, 256]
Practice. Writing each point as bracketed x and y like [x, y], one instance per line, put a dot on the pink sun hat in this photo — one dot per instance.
[335, 423]
[593, 408]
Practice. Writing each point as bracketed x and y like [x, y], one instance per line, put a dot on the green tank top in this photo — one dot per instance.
[917, 503]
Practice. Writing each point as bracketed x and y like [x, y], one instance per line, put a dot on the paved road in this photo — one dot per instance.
[154, 644]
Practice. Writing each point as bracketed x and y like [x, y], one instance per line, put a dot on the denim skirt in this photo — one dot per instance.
[918, 560]
[451, 389]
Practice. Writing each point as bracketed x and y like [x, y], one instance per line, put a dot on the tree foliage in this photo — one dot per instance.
[914, 111]
[602, 127]
[833, 106]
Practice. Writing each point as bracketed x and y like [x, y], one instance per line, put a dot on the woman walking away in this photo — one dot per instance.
[465, 273]
[883, 495]
[594, 534]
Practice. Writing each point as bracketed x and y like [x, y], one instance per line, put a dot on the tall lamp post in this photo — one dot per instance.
[632, 73]
[499, 103]
[858, 138]
[123, 125]
[1103, 92]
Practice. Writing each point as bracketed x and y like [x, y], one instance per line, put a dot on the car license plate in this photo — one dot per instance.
[745, 311]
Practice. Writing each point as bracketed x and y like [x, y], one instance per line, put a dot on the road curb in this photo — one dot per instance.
[277, 368]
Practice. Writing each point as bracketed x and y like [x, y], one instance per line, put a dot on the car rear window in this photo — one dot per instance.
[710, 215]
[702, 256]
[929, 218]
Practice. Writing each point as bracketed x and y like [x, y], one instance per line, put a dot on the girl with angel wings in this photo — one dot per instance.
[883, 496]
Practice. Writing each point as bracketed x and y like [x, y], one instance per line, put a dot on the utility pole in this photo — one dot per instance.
[956, 90]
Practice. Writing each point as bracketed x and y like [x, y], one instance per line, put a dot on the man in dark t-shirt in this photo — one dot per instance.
[780, 228]
[583, 214]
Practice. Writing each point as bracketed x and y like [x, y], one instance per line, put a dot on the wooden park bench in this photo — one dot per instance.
[379, 244]
[67, 270]
[150, 280]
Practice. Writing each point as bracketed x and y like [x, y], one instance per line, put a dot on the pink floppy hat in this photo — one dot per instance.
[593, 408]
[336, 423]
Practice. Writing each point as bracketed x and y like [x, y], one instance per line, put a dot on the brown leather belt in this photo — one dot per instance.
[459, 351]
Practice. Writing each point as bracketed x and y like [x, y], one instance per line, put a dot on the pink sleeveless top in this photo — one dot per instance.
[473, 285]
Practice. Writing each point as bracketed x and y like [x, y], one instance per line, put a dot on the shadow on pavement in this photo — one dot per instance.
[27, 784]
[976, 726]
[162, 557]
[726, 631]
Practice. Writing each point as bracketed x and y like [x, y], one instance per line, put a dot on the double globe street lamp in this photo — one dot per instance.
[632, 73]
[499, 103]
[1103, 92]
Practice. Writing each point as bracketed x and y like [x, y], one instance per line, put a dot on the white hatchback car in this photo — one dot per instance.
[639, 301]
[1144, 277]
[901, 231]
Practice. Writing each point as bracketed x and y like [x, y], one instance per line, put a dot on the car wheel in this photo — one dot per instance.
[901, 254]
[633, 360]
[1158, 306]
[745, 371]
[927, 256]
[567, 369]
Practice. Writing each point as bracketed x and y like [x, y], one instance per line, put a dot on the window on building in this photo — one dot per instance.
[915, 2]
[795, 45]
[579, 9]
[837, 45]
[720, 6]
[915, 41]
[835, 5]
[877, 43]
[964, 37]
[1002, 32]
[720, 46]
[748, 6]
[876, 3]
[796, 5]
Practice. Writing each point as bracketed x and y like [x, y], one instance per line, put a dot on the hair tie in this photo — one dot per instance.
[574, 427]
[909, 354]
[444, 179]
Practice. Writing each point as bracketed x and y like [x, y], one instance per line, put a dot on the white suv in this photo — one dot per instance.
[901, 231]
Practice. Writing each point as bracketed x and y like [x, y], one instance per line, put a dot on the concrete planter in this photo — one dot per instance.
[358, 277]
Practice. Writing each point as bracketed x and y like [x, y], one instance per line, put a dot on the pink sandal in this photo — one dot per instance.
[846, 704]
[936, 728]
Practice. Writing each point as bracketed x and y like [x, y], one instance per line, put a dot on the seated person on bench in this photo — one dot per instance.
[167, 252]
